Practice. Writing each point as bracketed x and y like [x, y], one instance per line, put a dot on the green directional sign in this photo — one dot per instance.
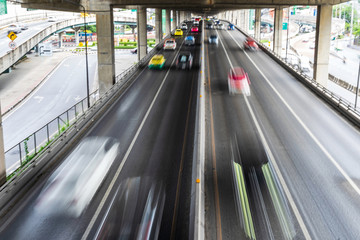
[285, 26]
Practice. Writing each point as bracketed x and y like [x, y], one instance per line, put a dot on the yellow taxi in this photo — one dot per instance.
[157, 62]
[178, 32]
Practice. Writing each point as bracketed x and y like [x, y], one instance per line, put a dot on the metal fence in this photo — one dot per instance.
[23, 152]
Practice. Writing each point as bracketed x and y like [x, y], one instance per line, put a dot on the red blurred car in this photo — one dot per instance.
[250, 44]
[238, 81]
[194, 29]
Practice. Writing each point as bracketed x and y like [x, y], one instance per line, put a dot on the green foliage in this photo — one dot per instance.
[345, 11]
[89, 28]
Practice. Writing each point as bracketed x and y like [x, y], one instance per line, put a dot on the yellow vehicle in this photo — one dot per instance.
[157, 62]
[178, 32]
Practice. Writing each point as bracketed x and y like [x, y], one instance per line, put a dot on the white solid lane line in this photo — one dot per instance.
[118, 171]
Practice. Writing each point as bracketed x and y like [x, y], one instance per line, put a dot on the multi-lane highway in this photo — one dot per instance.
[149, 181]
[311, 149]
[298, 159]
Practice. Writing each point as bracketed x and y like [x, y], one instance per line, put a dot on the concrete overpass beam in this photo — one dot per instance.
[173, 23]
[277, 35]
[158, 25]
[2, 154]
[322, 44]
[106, 54]
[257, 23]
[142, 32]
[168, 22]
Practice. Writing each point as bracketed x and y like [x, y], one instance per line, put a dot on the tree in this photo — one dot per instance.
[89, 28]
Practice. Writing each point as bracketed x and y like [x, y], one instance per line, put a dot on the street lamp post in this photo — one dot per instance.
[287, 34]
[357, 85]
[86, 63]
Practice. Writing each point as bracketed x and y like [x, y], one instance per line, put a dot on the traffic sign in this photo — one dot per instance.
[12, 45]
[12, 36]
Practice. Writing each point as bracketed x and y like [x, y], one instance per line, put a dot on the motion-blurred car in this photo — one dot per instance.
[15, 28]
[72, 186]
[190, 41]
[250, 44]
[157, 62]
[170, 44]
[209, 26]
[231, 27]
[194, 29]
[213, 39]
[196, 23]
[184, 60]
[23, 26]
[52, 19]
[220, 26]
[178, 32]
[184, 26]
[238, 81]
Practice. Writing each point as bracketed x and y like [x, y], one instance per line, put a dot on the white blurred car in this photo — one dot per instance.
[52, 19]
[15, 28]
[70, 188]
[170, 44]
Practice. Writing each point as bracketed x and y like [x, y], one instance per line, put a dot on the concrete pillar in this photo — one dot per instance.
[142, 33]
[322, 44]
[246, 20]
[257, 24]
[173, 23]
[122, 29]
[106, 54]
[60, 39]
[168, 22]
[277, 35]
[182, 17]
[2, 154]
[158, 25]
[77, 32]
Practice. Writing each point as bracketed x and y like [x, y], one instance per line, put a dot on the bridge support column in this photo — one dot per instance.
[106, 54]
[122, 29]
[158, 25]
[277, 35]
[77, 32]
[60, 39]
[182, 17]
[142, 32]
[2, 154]
[257, 24]
[173, 23]
[168, 22]
[322, 44]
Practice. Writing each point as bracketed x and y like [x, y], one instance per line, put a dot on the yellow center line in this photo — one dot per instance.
[176, 207]
[217, 201]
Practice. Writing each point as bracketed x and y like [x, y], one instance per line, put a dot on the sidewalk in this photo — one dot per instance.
[30, 73]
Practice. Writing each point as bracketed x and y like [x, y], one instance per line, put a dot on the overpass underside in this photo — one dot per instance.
[185, 5]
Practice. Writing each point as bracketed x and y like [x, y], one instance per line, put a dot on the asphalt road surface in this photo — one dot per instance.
[149, 181]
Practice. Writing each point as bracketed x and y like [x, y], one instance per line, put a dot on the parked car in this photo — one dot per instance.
[15, 28]
[238, 81]
[213, 39]
[190, 41]
[250, 44]
[184, 60]
[170, 44]
[157, 62]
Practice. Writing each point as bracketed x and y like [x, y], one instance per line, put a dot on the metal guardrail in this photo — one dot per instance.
[20, 154]
[23, 152]
[342, 105]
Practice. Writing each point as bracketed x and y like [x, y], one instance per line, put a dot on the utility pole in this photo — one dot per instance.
[2, 155]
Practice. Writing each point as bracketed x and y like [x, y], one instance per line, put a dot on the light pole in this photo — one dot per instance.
[287, 34]
[357, 86]
[86, 62]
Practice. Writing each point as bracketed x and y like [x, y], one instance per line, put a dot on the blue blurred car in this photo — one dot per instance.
[231, 27]
[190, 40]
